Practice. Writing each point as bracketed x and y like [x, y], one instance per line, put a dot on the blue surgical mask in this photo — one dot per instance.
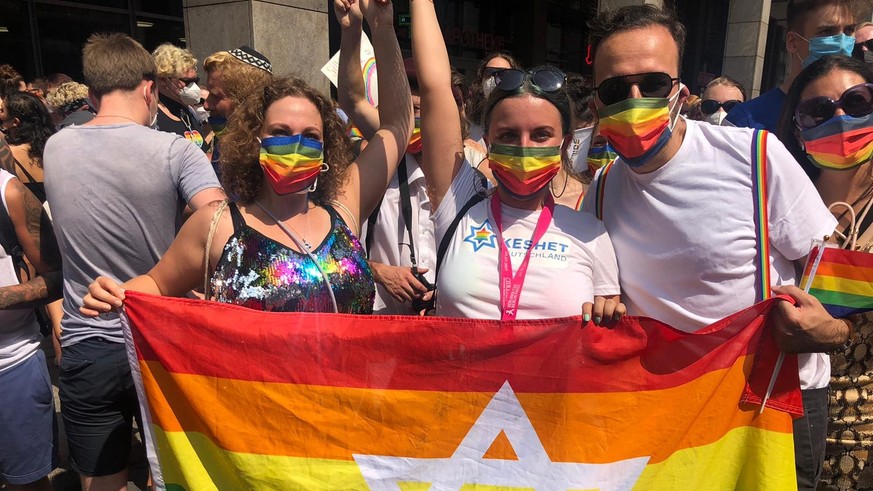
[838, 44]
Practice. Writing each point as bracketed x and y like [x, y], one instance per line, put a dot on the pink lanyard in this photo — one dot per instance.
[511, 285]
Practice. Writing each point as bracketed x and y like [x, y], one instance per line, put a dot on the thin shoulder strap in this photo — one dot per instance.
[762, 222]
[236, 217]
[27, 174]
[600, 191]
[450, 232]
[207, 290]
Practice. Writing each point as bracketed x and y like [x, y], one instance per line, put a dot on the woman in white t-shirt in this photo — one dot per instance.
[513, 254]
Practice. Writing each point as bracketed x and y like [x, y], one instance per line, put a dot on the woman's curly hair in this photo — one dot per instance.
[241, 172]
[173, 61]
[35, 124]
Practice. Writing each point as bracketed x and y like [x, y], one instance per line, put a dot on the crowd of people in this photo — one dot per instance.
[527, 194]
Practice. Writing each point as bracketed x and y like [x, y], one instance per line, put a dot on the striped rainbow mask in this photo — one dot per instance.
[841, 143]
[523, 171]
[600, 156]
[638, 128]
[414, 146]
[291, 163]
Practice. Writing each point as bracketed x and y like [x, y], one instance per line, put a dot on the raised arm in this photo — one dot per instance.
[443, 152]
[34, 232]
[351, 91]
[370, 174]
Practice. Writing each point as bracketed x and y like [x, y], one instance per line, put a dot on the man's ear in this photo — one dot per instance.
[791, 42]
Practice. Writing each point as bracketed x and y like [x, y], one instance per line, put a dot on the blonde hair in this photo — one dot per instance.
[239, 79]
[115, 61]
[66, 93]
[173, 61]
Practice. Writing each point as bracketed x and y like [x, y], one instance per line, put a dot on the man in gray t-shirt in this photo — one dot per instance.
[117, 190]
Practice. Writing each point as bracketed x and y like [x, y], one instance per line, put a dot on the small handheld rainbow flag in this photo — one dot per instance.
[842, 280]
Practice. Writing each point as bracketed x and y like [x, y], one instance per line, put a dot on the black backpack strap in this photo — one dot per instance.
[406, 208]
[450, 232]
[371, 222]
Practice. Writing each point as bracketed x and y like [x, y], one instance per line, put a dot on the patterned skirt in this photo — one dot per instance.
[849, 454]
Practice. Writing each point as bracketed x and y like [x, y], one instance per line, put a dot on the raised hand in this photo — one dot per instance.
[377, 12]
[348, 13]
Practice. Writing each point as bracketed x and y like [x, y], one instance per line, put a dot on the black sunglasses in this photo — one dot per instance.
[858, 52]
[617, 89]
[189, 81]
[856, 101]
[710, 106]
[547, 79]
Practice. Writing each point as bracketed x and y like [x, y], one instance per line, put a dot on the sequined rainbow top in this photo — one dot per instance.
[259, 273]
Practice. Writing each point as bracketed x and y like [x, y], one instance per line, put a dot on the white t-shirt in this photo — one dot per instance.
[571, 263]
[389, 232]
[685, 234]
[19, 331]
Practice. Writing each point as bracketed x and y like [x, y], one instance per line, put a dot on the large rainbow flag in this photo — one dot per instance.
[842, 280]
[246, 400]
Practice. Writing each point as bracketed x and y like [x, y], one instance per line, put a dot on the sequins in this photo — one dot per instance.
[260, 273]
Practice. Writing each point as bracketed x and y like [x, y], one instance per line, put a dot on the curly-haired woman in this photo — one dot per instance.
[28, 125]
[290, 243]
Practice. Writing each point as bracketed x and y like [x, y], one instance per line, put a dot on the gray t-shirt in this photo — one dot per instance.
[117, 193]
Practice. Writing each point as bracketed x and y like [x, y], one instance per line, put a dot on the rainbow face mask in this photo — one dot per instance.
[841, 143]
[600, 156]
[638, 128]
[414, 146]
[523, 171]
[291, 163]
[218, 123]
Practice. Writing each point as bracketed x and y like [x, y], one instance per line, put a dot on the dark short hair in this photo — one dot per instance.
[610, 22]
[580, 94]
[115, 61]
[557, 98]
[798, 11]
[787, 130]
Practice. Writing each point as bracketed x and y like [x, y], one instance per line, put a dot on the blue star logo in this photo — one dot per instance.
[481, 236]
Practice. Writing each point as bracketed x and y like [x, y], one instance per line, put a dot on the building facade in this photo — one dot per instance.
[740, 38]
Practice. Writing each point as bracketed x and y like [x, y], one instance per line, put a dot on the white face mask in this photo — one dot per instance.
[716, 118]
[190, 94]
[488, 86]
[577, 152]
[153, 113]
[201, 113]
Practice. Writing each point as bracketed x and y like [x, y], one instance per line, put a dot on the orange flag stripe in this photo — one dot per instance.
[846, 271]
[232, 414]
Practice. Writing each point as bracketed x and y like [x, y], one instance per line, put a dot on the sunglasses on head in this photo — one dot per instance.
[547, 79]
[617, 89]
[856, 101]
[491, 70]
[710, 106]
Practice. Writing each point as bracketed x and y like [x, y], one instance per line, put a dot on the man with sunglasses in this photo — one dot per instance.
[815, 28]
[864, 42]
[719, 97]
[679, 207]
